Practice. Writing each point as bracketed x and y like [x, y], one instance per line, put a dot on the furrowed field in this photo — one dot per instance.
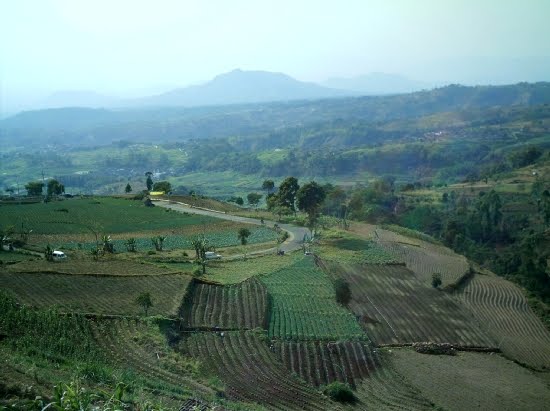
[304, 305]
[259, 331]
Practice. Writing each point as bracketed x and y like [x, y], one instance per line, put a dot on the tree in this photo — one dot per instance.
[253, 199]
[309, 198]
[268, 186]
[54, 187]
[239, 201]
[145, 301]
[343, 292]
[131, 245]
[48, 253]
[286, 196]
[149, 181]
[158, 242]
[340, 392]
[243, 235]
[162, 186]
[128, 188]
[201, 246]
[436, 280]
[108, 246]
[34, 188]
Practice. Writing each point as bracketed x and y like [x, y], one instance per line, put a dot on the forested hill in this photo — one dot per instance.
[80, 126]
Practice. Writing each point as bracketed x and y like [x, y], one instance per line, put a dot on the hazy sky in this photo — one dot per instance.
[122, 46]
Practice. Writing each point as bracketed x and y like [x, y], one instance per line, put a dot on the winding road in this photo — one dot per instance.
[293, 243]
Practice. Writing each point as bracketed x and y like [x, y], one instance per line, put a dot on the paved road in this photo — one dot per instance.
[293, 243]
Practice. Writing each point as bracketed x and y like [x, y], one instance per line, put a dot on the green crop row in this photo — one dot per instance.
[219, 239]
[304, 305]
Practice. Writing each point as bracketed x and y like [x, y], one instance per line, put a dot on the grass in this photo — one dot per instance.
[236, 271]
[341, 246]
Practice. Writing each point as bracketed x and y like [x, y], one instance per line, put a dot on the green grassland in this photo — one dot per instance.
[109, 215]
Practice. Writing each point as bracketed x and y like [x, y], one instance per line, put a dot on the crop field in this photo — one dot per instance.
[223, 238]
[304, 305]
[107, 266]
[140, 348]
[395, 308]
[98, 294]
[241, 306]
[387, 389]
[236, 271]
[355, 250]
[320, 362]
[252, 372]
[500, 307]
[469, 381]
[111, 215]
[424, 258]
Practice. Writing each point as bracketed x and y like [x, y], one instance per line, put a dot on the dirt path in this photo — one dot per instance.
[293, 243]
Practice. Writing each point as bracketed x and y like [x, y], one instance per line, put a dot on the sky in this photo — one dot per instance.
[139, 47]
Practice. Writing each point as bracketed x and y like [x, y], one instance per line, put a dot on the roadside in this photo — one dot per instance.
[293, 243]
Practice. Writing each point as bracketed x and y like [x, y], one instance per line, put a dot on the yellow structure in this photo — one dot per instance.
[156, 193]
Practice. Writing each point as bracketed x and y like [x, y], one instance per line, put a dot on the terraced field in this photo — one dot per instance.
[320, 362]
[387, 389]
[395, 308]
[471, 381]
[252, 373]
[500, 307]
[98, 294]
[223, 238]
[424, 258]
[241, 306]
[128, 344]
[103, 267]
[304, 305]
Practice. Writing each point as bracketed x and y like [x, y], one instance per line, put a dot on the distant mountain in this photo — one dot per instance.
[238, 87]
[377, 84]
[77, 99]
[85, 126]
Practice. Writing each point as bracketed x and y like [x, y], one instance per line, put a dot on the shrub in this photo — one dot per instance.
[343, 292]
[436, 280]
[339, 392]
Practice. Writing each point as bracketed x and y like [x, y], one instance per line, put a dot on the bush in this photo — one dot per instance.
[343, 292]
[436, 280]
[340, 392]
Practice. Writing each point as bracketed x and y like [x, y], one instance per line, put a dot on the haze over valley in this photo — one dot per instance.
[274, 205]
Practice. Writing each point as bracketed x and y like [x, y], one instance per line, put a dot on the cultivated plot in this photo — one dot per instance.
[138, 346]
[241, 306]
[500, 307]
[98, 294]
[469, 381]
[251, 371]
[395, 308]
[321, 362]
[424, 258]
[303, 305]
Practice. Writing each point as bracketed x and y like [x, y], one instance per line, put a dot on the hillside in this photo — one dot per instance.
[175, 123]
[206, 336]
